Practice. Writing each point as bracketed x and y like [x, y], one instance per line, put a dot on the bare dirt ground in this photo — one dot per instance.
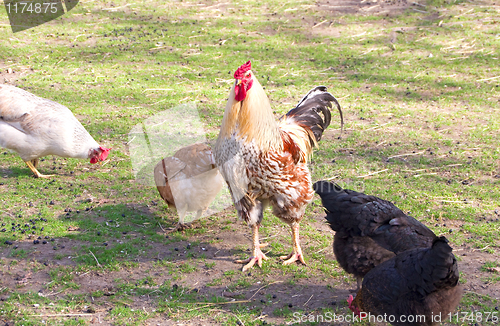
[389, 7]
[31, 274]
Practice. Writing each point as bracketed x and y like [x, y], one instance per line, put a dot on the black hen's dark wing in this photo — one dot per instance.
[401, 233]
[357, 214]
[313, 111]
[382, 287]
[358, 255]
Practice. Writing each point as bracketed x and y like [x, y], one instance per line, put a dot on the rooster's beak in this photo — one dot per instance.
[238, 82]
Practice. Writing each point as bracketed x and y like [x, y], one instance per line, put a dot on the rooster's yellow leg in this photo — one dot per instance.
[297, 251]
[35, 171]
[257, 255]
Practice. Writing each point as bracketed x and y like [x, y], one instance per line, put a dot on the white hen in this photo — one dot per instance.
[188, 181]
[35, 127]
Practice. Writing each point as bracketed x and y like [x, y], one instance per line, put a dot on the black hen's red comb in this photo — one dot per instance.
[240, 72]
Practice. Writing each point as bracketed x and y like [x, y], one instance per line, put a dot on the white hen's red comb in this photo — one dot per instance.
[105, 153]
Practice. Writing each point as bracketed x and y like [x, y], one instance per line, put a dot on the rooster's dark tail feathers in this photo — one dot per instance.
[313, 111]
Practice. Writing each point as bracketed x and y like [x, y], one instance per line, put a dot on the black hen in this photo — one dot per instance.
[368, 230]
[417, 287]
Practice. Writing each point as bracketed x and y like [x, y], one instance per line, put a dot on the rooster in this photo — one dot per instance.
[264, 162]
[420, 283]
[368, 230]
[35, 127]
[188, 181]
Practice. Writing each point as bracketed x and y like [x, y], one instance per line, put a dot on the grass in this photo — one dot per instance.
[420, 93]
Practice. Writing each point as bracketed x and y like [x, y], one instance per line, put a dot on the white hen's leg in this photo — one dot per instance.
[296, 254]
[257, 254]
[35, 171]
[181, 226]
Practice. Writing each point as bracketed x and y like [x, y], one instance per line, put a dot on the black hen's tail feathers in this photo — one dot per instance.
[358, 214]
[429, 270]
[445, 272]
[353, 212]
[329, 193]
[313, 111]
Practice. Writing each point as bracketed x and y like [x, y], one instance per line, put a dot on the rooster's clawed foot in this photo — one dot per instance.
[293, 257]
[256, 258]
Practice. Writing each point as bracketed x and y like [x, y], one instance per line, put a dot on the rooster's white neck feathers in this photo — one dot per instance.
[252, 119]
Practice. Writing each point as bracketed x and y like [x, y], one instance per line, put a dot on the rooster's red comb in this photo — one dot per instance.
[240, 72]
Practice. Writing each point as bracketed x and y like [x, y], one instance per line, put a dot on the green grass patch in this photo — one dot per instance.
[420, 95]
